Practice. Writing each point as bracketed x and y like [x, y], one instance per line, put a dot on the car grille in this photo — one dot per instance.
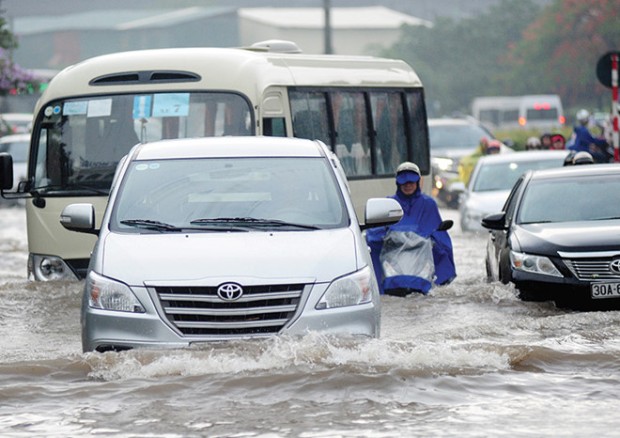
[592, 269]
[199, 311]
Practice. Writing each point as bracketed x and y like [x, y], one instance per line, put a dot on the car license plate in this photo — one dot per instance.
[605, 290]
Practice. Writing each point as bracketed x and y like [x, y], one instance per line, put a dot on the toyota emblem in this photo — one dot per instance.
[614, 266]
[229, 291]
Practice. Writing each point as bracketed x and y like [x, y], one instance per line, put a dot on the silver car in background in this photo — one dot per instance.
[493, 178]
[226, 238]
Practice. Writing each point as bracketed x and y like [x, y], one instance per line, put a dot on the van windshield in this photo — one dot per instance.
[81, 140]
[228, 194]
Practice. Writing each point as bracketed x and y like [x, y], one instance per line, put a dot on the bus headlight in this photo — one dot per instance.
[351, 290]
[107, 294]
[48, 268]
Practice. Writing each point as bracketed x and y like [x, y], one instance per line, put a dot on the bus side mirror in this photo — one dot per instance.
[381, 212]
[6, 171]
[79, 217]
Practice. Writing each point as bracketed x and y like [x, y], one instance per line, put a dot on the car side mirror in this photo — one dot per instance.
[6, 171]
[380, 212]
[79, 218]
[495, 221]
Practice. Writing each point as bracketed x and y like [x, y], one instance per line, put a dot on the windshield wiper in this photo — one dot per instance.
[253, 222]
[150, 225]
[70, 187]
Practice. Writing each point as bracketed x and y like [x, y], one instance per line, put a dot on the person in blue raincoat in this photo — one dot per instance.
[420, 215]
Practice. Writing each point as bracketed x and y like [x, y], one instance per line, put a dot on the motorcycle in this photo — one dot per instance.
[411, 262]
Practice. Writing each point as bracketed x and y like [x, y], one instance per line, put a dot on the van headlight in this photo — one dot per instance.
[351, 290]
[48, 268]
[107, 294]
[533, 263]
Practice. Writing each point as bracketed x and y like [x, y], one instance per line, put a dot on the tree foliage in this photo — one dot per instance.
[458, 60]
[13, 78]
[564, 44]
[517, 47]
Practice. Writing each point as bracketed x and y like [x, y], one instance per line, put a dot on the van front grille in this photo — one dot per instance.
[199, 311]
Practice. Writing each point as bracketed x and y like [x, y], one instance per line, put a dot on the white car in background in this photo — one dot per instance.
[17, 145]
[493, 178]
[19, 123]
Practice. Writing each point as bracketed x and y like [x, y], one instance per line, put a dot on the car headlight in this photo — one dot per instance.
[351, 290]
[444, 164]
[533, 263]
[107, 294]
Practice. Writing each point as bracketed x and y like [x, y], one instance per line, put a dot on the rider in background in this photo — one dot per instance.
[583, 140]
[468, 162]
[533, 144]
[420, 215]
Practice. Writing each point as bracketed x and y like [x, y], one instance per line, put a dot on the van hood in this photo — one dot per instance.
[208, 259]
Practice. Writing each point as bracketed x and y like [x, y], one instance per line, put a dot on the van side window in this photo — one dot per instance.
[351, 132]
[309, 114]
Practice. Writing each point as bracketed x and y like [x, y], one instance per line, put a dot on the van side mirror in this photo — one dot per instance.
[80, 218]
[6, 171]
[380, 212]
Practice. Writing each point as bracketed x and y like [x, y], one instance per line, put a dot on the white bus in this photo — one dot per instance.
[536, 111]
[369, 110]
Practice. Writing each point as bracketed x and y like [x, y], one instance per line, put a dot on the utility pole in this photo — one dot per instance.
[328, 27]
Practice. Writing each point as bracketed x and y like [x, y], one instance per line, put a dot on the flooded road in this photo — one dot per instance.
[469, 360]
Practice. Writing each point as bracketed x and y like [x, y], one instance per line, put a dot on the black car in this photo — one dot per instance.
[558, 237]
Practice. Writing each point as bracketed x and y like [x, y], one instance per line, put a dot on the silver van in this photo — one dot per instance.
[213, 239]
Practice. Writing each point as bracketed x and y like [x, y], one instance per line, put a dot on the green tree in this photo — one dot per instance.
[13, 78]
[559, 51]
[458, 61]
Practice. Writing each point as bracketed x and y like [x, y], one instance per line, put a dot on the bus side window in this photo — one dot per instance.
[390, 138]
[418, 130]
[351, 132]
[274, 127]
[309, 113]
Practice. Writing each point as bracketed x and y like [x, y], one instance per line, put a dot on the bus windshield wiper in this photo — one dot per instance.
[253, 222]
[70, 187]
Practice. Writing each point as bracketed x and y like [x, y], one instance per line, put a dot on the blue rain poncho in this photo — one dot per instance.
[401, 253]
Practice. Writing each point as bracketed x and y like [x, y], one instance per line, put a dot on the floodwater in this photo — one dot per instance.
[469, 360]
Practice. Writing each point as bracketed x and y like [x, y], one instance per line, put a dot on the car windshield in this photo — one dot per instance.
[502, 176]
[591, 198]
[456, 136]
[229, 194]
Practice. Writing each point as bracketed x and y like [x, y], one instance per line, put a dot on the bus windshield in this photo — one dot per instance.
[81, 140]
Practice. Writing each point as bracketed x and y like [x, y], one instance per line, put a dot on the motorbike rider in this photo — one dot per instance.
[533, 144]
[420, 216]
[583, 140]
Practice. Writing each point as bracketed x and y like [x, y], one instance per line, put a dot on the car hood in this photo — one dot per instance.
[548, 239]
[212, 258]
[486, 202]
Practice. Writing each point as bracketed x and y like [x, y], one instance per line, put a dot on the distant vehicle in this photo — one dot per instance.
[17, 145]
[212, 239]
[19, 123]
[493, 178]
[542, 111]
[558, 237]
[450, 140]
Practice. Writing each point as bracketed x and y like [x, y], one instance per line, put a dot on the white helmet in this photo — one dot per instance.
[583, 116]
[408, 165]
[532, 143]
[583, 157]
